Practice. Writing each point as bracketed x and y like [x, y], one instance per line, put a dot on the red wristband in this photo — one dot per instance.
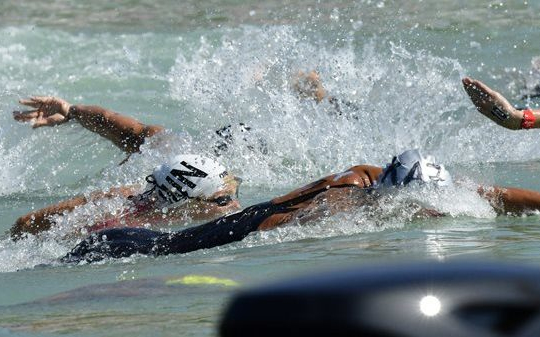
[528, 119]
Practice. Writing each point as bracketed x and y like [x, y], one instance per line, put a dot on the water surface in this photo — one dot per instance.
[197, 66]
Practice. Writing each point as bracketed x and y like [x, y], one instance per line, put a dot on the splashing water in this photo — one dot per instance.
[397, 99]
[400, 100]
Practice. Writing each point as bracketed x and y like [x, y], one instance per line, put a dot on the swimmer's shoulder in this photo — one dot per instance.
[356, 176]
[366, 169]
[351, 176]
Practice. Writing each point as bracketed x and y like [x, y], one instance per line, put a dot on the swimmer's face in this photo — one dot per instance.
[148, 197]
[231, 185]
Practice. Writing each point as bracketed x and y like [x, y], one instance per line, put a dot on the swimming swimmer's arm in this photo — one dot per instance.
[40, 220]
[335, 189]
[125, 132]
[511, 200]
[367, 174]
[361, 176]
[494, 106]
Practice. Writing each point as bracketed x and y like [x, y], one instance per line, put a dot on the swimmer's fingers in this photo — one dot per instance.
[367, 182]
[492, 104]
[39, 100]
[29, 102]
[48, 104]
[39, 118]
[313, 76]
[36, 101]
[364, 180]
[479, 94]
[25, 116]
[53, 120]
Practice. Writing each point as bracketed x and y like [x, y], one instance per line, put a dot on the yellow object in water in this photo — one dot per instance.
[202, 280]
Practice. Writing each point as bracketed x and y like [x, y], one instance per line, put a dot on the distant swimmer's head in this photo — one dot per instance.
[190, 176]
[309, 85]
[412, 166]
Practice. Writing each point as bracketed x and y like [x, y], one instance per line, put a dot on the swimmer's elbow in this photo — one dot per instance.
[20, 228]
[29, 224]
[151, 130]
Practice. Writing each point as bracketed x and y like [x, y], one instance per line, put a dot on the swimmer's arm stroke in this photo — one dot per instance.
[510, 200]
[41, 220]
[335, 190]
[494, 106]
[125, 132]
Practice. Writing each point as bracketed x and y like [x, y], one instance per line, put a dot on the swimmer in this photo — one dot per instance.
[531, 86]
[189, 187]
[494, 106]
[309, 85]
[231, 134]
[198, 188]
[359, 185]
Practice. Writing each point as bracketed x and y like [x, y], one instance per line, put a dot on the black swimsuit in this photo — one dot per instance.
[123, 242]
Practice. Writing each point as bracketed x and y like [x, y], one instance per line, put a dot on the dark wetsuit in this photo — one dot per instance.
[123, 242]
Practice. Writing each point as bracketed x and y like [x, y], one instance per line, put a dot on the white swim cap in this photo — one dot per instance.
[186, 177]
[411, 165]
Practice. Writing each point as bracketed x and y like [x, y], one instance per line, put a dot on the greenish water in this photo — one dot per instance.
[197, 66]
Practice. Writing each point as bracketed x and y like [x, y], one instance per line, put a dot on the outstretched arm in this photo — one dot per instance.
[511, 200]
[494, 106]
[125, 132]
[41, 220]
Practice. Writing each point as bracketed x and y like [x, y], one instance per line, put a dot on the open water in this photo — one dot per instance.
[195, 66]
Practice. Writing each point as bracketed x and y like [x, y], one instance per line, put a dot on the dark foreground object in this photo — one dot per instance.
[474, 299]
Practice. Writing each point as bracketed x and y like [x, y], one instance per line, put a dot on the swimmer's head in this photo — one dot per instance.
[412, 166]
[309, 85]
[187, 177]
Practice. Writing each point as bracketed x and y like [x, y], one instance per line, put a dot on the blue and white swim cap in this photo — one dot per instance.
[412, 166]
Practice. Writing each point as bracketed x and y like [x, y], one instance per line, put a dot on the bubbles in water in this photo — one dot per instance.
[390, 98]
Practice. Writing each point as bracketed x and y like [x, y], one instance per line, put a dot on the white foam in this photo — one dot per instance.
[402, 98]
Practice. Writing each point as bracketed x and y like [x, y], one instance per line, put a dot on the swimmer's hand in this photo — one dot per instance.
[492, 104]
[48, 111]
